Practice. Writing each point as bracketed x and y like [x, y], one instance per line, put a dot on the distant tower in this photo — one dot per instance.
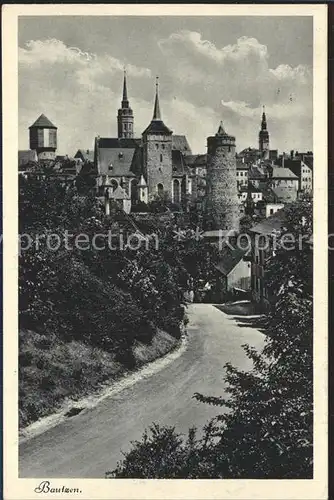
[125, 115]
[222, 192]
[264, 137]
[157, 153]
[43, 138]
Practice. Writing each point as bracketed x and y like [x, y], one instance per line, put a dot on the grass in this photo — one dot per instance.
[52, 371]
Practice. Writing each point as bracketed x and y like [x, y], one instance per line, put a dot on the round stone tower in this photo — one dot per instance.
[43, 138]
[222, 193]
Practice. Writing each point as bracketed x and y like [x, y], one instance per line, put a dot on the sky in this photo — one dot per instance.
[210, 69]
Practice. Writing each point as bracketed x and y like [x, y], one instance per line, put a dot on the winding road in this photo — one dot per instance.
[89, 444]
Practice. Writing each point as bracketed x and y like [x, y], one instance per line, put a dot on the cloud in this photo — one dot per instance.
[236, 80]
[200, 85]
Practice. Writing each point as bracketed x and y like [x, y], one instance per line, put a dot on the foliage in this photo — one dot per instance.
[266, 427]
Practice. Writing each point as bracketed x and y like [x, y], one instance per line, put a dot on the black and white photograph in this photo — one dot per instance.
[170, 197]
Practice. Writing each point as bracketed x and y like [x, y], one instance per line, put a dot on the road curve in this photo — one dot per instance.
[89, 444]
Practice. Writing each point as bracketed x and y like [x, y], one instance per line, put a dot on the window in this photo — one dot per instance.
[160, 157]
[160, 189]
[271, 211]
[163, 146]
[125, 126]
[157, 146]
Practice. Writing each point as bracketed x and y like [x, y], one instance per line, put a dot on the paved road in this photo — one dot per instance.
[90, 443]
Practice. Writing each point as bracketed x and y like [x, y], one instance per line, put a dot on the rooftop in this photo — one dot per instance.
[116, 161]
[270, 225]
[27, 156]
[42, 122]
[230, 259]
[283, 173]
[180, 143]
[87, 154]
[157, 127]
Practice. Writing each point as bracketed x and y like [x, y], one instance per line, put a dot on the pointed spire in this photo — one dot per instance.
[156, 112]
[264, 120]
[125, 101]
[221, 130]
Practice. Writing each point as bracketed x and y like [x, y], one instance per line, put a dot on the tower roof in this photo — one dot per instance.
[157, 126]
[125, 101]
[156, 112]
[42, 122]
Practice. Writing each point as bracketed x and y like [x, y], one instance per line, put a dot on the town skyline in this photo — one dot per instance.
[200, 83]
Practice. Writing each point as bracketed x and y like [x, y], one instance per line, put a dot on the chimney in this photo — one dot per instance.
[291, 154]
[283, 158]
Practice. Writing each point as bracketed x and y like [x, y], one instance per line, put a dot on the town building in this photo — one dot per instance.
[242, 173]
[262, 235]
[302, 167]
[233, 274]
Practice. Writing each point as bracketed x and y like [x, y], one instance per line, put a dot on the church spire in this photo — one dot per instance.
[264, 120]
[264, 137]
[156, 112]
[125, 101]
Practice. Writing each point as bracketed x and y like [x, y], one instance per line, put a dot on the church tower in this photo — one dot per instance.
[264, 137]
[157, 153]
[222, 192]
[125, 115]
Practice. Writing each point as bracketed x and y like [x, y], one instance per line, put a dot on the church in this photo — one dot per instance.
[138, 169]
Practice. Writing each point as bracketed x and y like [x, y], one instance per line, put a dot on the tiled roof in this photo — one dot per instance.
[179, 166]
[180, 143]
[157, 127]
[283, 173]
[43, 122]
[250, 187]
[230, 259]
[27, 156]
[196, 160]
[114, 142]
[308, 160]
[256, 172]
[273, 223]
[121, 161]
[284, 194]
[87, 154]
[241, 165]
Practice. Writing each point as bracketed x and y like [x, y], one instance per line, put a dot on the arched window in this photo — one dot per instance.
[114, 184]
[160, 189]
[176, 191]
